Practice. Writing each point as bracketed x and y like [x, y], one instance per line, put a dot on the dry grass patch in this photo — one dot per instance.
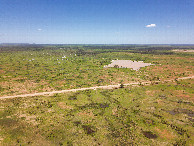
[85, 116]
[165, 133]
[152, 92]
[29, 119]
[64, 106]
[26, 87]
[183, 95]
[183, 50]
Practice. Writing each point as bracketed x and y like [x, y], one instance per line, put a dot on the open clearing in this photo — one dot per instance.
[135, 65]
[185, 50]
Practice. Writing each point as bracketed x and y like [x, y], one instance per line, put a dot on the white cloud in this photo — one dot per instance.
[39, 29]
[151, 25]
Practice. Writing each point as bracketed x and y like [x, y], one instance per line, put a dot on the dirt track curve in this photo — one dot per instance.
[91, 88]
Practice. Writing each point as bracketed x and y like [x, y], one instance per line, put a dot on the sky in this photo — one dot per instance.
[97, 21]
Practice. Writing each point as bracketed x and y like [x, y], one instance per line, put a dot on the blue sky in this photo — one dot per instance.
[97, 21]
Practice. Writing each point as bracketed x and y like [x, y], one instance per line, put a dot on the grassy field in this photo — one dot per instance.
[156, 114]
[46, 70]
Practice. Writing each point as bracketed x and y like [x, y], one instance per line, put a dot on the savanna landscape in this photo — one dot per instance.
[149, 106]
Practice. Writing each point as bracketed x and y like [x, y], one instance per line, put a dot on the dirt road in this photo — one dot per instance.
[90, 88]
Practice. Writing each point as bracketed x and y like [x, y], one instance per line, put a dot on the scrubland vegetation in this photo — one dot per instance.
[157, 114]
[57, 68]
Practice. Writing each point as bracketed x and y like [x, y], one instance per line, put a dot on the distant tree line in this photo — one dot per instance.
[96, 49]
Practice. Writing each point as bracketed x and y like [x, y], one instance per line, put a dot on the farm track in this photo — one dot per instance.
[93, 88]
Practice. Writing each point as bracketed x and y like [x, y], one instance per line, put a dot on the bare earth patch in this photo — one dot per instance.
[181, 94]
[30, 119]
[64, 106]
[183, 50]
[135, 65]
[164, 133]
[150, 93]
[85, 116]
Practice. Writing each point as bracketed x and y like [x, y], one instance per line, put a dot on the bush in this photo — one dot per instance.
[122, 86]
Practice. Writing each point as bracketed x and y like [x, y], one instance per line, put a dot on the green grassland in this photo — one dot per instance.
[45, 70]
[156, 114]
[147, 115]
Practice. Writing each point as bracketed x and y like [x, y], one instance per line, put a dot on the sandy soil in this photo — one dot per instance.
[183, 50]
[135, 65]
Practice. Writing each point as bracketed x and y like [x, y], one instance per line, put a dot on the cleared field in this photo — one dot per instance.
[135, 65]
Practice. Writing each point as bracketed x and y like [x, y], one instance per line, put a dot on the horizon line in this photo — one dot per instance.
[95, 44]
